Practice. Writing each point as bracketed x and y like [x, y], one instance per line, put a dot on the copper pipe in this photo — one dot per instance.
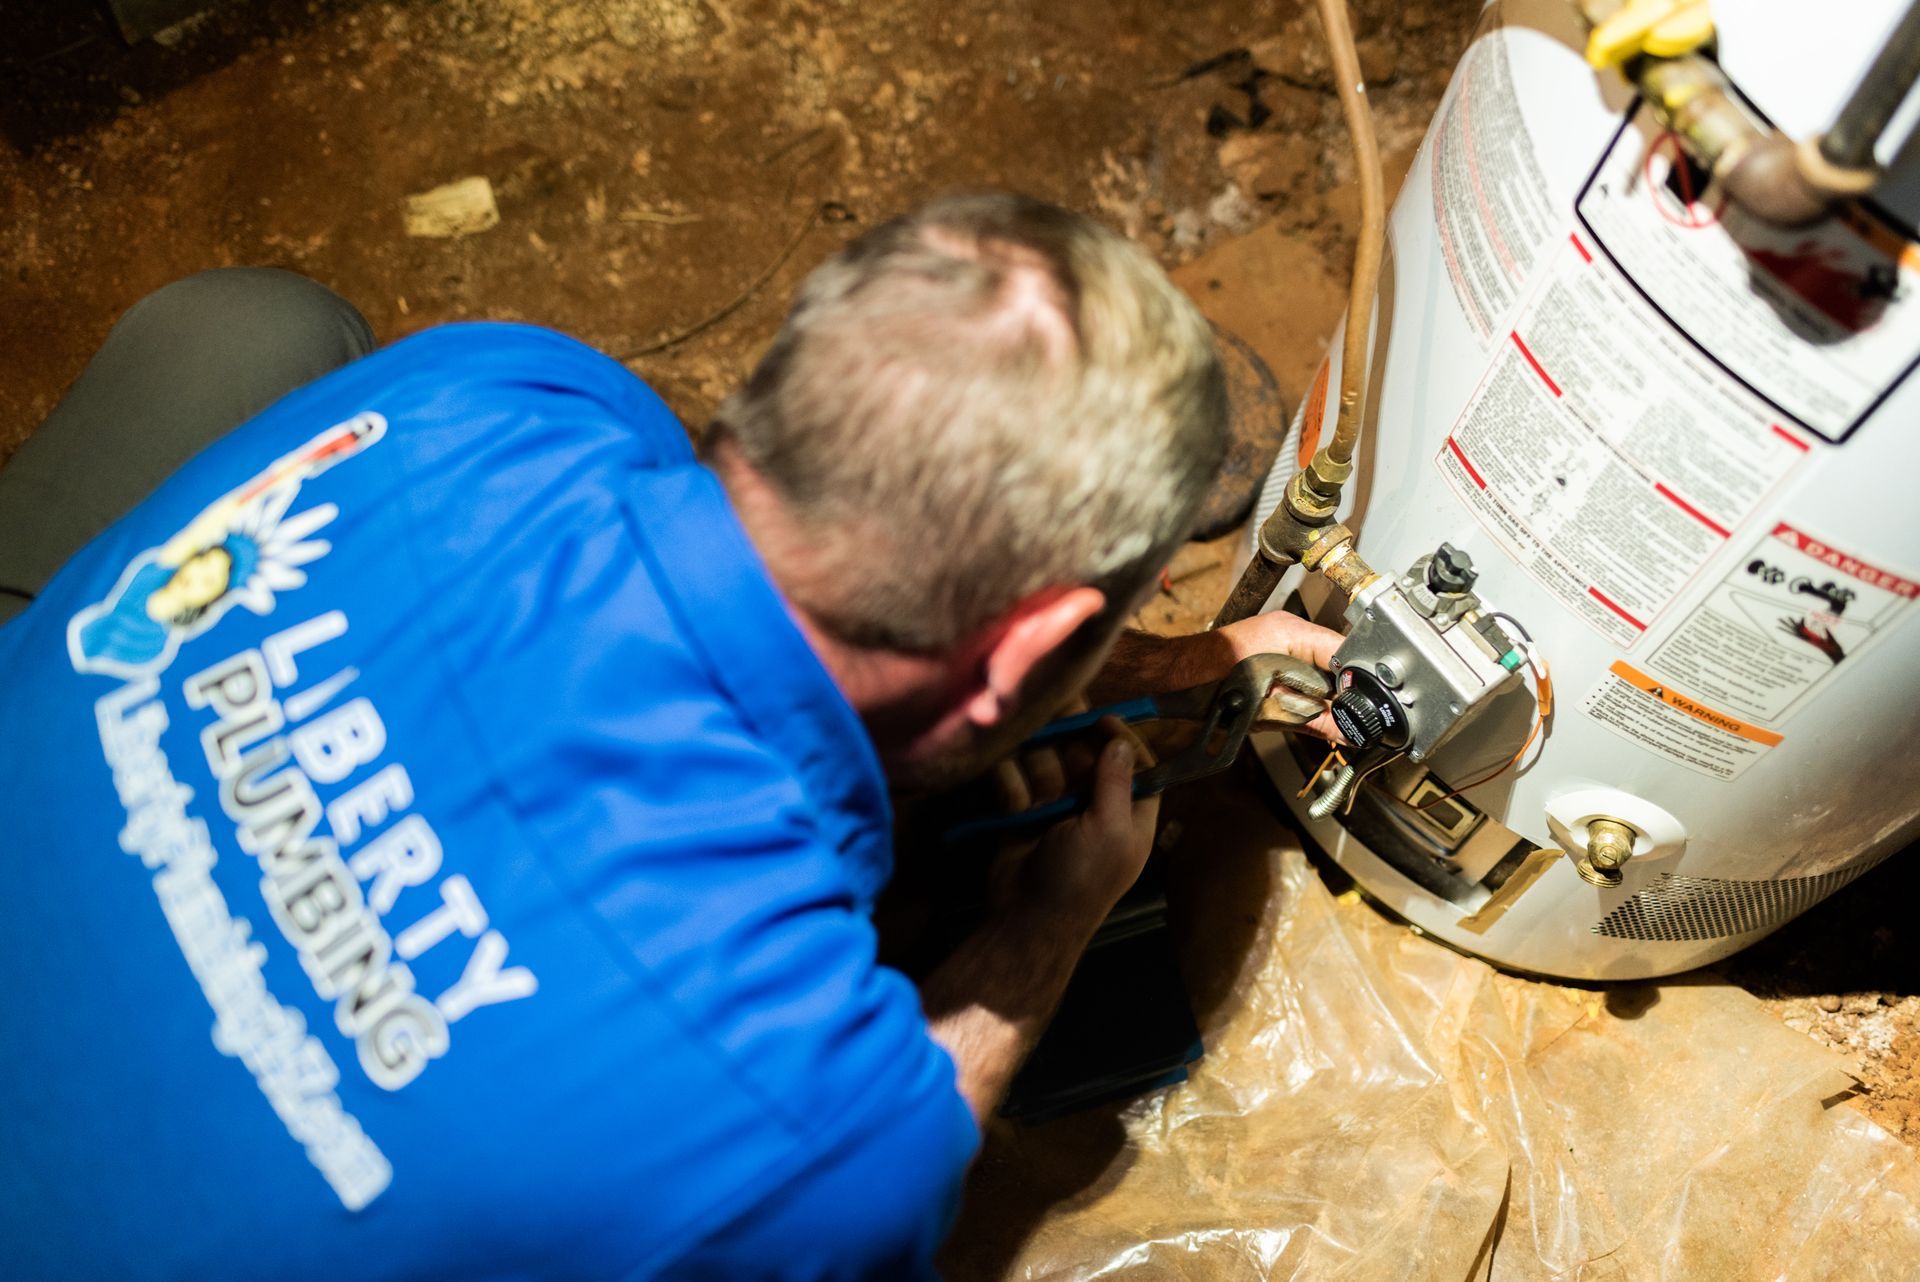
[1373, 228]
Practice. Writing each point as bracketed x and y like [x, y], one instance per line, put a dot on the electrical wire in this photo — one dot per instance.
[1353, 793]
[827, 211]
[1502, 616]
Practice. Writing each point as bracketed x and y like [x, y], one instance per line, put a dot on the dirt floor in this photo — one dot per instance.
[650, 158]
[666, 170]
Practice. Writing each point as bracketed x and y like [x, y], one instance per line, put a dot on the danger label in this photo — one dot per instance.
[1676, 725]
[1818, 321]
[1606, 455]
[1782, 623]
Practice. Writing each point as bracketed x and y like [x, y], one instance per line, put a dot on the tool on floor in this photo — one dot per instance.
[1266, 690]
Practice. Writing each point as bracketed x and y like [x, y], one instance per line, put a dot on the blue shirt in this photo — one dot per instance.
[432, 850]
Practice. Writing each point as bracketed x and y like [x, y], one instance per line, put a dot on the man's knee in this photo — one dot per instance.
[279, 315]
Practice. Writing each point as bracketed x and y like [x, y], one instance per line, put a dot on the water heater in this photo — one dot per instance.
[1628, 435]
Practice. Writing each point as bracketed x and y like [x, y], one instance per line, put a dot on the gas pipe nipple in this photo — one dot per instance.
[1333, 556]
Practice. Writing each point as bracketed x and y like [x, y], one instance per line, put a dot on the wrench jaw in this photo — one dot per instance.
[1285, 709]
[1264, 691]
[1297, 693]
[1223, 729]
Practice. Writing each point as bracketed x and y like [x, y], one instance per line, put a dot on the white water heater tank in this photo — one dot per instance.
[1682, 448]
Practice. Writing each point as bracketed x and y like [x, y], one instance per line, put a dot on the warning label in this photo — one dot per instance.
[1785, 619]
[1675, 725]
[1819, 321]
[1490, 200]
[1315, 412]
[1606, 454]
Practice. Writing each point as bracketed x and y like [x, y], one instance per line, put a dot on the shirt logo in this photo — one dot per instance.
[241, 550]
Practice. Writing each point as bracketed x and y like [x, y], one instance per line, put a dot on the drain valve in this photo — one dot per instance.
[1609, 844]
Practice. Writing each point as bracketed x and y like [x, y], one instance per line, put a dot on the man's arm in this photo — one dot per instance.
[988, 1003]
[1142, 663]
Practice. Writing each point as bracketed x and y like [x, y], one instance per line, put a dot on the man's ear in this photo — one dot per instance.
[1024, 638]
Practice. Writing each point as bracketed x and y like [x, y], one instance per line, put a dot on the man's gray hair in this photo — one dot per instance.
[983, 399]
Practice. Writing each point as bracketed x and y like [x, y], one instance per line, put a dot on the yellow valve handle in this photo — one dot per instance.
[1662, 28]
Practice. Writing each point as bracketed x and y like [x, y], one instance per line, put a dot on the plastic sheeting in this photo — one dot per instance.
[1375, 1105]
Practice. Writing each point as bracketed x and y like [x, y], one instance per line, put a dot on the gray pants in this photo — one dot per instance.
[185, 365]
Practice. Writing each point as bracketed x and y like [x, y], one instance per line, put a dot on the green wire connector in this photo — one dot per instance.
[1511, 660]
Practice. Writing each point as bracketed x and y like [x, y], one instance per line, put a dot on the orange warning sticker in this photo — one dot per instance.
[1674, 699]
[1315, 412]
[1879, 235]
[1675, 725]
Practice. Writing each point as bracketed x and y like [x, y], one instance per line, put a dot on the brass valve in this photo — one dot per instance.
[1609, 845]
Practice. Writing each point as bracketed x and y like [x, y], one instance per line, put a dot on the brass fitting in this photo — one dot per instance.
[1761, 169]
[1823, 175]
[1324, 475]
[1305, 505]
[1334, 557]
[1288, 533]
[1286, 538]
[1312, 496]
[1609, 845]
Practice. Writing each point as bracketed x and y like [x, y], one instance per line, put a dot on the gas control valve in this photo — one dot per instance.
[1422, 656]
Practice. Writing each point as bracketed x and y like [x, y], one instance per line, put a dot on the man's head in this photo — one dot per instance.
[981, 432]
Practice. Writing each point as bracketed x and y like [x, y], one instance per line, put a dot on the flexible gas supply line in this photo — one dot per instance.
[1307, 508]
[1368, 248]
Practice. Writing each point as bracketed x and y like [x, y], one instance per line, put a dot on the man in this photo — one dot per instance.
[442, 816]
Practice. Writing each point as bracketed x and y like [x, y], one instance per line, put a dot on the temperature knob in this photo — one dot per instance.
[1358, 719]
[1367, 713]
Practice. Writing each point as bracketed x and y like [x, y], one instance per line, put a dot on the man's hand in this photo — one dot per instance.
[1142, 663]
[1281, 632]
[1084, 864]
[988, 1003]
